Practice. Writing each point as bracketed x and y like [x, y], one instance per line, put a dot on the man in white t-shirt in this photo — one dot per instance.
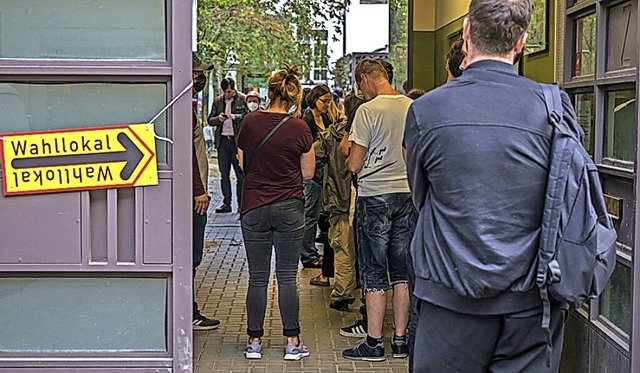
[384, 208]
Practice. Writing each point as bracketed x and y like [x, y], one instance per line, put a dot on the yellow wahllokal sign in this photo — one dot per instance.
[78, 159]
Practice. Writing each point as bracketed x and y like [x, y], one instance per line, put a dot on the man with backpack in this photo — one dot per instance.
[478, 160]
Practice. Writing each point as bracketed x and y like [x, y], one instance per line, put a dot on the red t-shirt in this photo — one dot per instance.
[275, 174]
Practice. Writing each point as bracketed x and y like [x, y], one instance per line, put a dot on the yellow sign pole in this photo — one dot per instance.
[78, 159]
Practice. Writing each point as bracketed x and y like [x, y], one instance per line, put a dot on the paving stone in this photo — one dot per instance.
[221, 284]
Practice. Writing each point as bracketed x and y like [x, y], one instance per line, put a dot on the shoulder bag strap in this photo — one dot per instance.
[264, 140]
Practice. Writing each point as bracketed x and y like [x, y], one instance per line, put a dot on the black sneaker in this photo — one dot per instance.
[223, 209]
[341, 304]
[364, 352]
[399, 347]
[357, 330]
[203, 323]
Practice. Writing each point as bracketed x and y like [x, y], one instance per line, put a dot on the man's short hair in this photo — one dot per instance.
[388, 67]
[371, 67]
[496, 25]
[227, 83]
[455, 58]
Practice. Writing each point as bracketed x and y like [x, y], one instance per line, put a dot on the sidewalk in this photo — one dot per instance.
[221, 286]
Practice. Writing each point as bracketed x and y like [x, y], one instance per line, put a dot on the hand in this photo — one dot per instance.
[222, 117]
[201, 204]
[231, 116]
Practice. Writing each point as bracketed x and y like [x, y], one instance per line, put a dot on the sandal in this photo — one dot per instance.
[318, 282]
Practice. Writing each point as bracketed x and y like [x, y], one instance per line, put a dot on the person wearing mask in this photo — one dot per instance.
[226, 115]
[253, 100]
[200, 176]
[321, 114]
[272, 210]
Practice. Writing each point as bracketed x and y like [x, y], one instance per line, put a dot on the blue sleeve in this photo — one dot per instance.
[416, 173]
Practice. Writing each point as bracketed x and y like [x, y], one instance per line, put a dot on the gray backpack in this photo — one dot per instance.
[577, 252]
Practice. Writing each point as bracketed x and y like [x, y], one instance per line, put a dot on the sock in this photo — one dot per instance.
[372, 342]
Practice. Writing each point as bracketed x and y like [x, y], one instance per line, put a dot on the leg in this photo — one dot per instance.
[199, 224]
[399, 243]
[453, 342]
[522, 347]
[239, 175]
[224, 163]
[309, 253]
[341, 240]
[288, 224]
[257, 234]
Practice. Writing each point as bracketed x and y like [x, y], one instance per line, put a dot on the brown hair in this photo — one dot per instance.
[285, 86]
[315, 94]
[496, 25]
[371, 67]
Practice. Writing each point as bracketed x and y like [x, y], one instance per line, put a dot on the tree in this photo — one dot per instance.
[258, 36]
[398, 25]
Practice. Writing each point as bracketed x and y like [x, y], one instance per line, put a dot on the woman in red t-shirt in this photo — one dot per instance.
[272, 208]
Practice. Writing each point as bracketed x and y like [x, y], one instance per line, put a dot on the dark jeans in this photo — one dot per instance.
[309, 253]
[413, 315]
[384, 237]
[453, 342]
[199, 224]
[227, 157]
[278, 225]
[328, 268]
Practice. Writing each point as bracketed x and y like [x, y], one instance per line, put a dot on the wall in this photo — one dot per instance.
[434, 21]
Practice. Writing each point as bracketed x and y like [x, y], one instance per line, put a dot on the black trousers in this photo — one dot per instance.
[227, 158]
[199, 225]
[448, 341]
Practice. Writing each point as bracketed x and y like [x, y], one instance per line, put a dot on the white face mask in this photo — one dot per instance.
[357, 92]
[253, 106]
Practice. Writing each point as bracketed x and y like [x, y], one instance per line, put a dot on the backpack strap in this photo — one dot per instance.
[561, 154]
[264, 140]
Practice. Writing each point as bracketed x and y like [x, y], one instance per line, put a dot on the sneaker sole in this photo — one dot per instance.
[352, 335]
[197, 327]
[253, 355]
[371, 359]
[400, 356]
[295, 357]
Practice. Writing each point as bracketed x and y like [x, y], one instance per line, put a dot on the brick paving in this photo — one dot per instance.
[221, 286]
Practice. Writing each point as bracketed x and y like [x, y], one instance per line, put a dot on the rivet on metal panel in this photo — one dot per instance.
[179, 173]
[19, 260]
[168, 221]
[146, 221]
[78, 221]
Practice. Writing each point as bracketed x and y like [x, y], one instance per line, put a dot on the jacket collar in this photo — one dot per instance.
[491, 65]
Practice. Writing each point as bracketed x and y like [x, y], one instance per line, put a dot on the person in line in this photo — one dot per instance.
[272, 210]
[227, 113]
[253, 100]
[383, 209]
[318, 118]
[456, 60]
[336, 204]
[359, 328]
[478, 172]
[200, 177]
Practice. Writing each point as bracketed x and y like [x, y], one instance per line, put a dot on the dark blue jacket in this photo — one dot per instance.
[477, 164]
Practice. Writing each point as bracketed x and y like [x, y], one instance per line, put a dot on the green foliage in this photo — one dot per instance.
[341, 71]
[258, 36]
[398, 39]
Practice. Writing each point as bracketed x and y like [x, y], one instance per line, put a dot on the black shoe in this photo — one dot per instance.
[364, 352]
[315, 264]
[203, 323]
[357, 330]
[399, 347]
[223, 209]
[341, 304]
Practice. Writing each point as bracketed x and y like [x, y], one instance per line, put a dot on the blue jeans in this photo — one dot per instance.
[309, 253]
[384, 236]
[278, 225]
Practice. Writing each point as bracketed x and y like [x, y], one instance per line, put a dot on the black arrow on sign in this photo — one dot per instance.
[131, 154]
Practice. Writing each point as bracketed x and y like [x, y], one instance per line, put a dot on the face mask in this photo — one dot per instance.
[253, 106]
[357, 92]
[199, 83]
